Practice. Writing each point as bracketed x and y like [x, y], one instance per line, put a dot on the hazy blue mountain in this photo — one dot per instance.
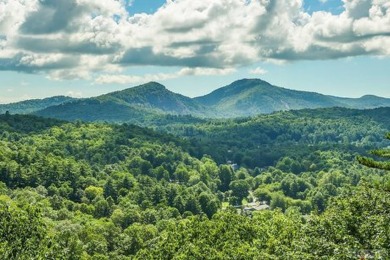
[249, 97]
[30, 106]
[364, 102]
[94, 110]
[129, 105]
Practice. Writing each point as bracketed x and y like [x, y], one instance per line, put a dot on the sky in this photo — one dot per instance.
[84, 48]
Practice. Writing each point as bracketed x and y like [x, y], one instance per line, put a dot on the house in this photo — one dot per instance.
[255, 206]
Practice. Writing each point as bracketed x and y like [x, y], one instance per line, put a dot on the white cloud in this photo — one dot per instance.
[79, 38]
[127, 79]
[133, 79]
[13, 99]
[75, 94]
[13, 13]
[204, 71]
[24, 83]
[258, 71]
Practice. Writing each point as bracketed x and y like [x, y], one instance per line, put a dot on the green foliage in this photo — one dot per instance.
[249, 97]
[226, 236]
[23, 233]
[240, 189]
[226, 176]
[134, 105]
[356, 225]
[384, 153]
[100, 191]
[282, 139]
[29, 106]
[91, 176]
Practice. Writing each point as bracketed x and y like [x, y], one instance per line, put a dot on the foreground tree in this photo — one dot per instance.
[356, 225]
[383, 153]
[23, 233]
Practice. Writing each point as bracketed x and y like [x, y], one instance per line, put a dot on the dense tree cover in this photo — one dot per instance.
[33, 105]
[88, 182]
[262, 140]
[100, 191]
[132, 105]
[356, 225]
[250, 97]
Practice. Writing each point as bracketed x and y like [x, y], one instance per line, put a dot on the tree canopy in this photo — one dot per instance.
[102, 191]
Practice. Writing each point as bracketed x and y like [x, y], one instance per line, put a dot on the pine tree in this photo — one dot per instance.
[383, 153]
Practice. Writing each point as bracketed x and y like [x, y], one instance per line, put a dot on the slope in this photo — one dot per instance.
[242, 98]
[249, 97]
[32, 105]
[154, 96]
[130, 105]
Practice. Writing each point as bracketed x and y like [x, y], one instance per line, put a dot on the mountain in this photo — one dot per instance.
[92, 109]
[154, 96]
[242, 98]
[254, 96]
[366, 102]
[129, 105]
[249, 97]
[30, 106]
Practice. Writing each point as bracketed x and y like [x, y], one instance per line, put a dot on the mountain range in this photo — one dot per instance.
[246, 97]
[33, 105]
[249, 97]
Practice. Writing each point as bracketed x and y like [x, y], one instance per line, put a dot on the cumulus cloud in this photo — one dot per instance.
[133, 79]
[79, 38]
[258, 71]
[75, 94]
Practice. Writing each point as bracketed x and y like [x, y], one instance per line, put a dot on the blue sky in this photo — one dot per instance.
[333, 6]
[88, 48]
[145, 6]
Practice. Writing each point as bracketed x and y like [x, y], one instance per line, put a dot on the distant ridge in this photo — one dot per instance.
[156, 97]
[242, 98]
[248, 97]
[33, 105]
[129, 105]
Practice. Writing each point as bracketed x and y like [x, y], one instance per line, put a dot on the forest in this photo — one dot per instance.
[176, 187]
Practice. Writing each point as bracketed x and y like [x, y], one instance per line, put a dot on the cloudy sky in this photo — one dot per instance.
[87, 47]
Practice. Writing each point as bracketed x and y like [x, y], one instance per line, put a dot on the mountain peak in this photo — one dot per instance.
[370, 97]
[244, 84]
[234, 89]
[154, 97]
[250, 81]
[153, 83]
[151, 86]
[244, 97]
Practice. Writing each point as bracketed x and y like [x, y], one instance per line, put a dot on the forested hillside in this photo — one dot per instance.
[249, 97]
[101, 191]
[132, 105]
[246, 97]
[33, 105]
[262, 140]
